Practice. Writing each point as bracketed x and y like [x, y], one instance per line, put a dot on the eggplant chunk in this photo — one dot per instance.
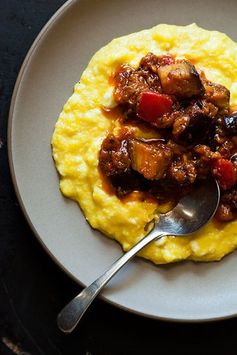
[149, 159]
[180, 79]
[217, 94]
[194, 123]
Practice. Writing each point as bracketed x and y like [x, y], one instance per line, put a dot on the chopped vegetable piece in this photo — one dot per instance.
[217, 94]
[149, 159]
[153, 105]
[225, 173]
[180, 79]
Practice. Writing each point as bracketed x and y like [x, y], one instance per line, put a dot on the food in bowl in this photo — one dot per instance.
[154, 112]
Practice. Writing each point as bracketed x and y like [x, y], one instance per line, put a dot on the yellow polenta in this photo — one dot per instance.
[82, 126]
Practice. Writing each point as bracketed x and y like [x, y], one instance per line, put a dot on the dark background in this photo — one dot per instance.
[32, 288]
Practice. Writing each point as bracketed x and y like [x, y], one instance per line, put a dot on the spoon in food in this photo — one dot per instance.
[190, 214]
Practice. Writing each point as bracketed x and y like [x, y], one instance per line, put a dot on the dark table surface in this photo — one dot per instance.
[32, 288]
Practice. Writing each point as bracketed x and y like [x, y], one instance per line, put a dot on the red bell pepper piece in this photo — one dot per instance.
[225, 173]
[153, 105]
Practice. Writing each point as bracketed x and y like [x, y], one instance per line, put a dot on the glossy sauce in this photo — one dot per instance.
[114, 113]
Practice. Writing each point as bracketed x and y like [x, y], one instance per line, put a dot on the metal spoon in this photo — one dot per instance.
[190, 214]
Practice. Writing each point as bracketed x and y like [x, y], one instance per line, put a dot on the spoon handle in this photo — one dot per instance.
[71, 314]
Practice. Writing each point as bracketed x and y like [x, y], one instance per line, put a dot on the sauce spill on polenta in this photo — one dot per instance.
[82, 126]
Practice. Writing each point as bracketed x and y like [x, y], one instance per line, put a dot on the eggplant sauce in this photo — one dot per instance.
[196, 126]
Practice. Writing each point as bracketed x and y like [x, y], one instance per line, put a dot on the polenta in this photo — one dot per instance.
[83, 125]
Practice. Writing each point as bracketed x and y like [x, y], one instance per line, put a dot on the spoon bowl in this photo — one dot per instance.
[191, 213]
